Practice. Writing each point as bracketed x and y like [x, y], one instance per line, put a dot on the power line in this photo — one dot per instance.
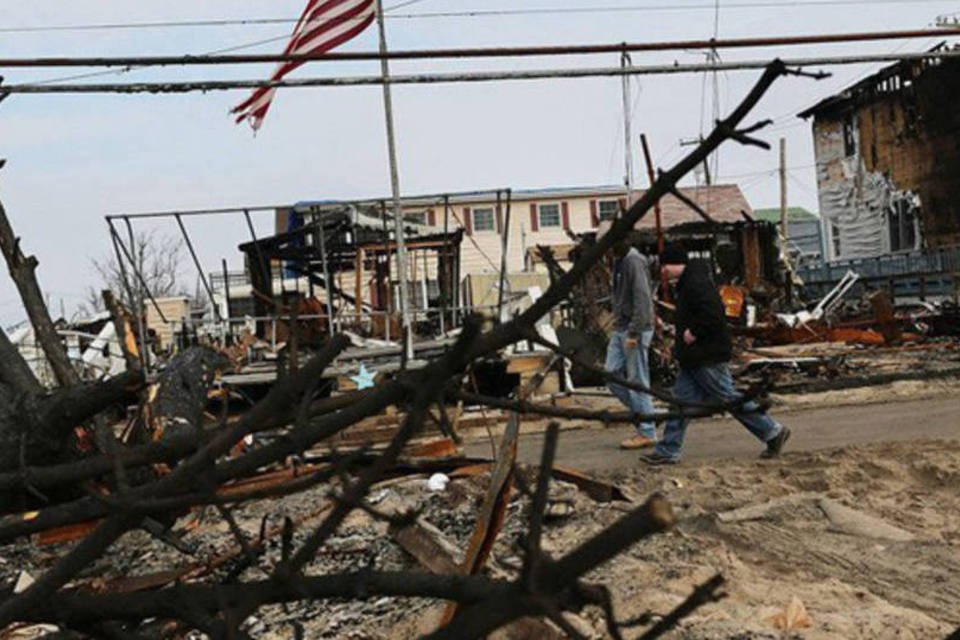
[458, 77]
[232, 22]
[665, 7]
[238, 47]
[168, 24]
[219, 58]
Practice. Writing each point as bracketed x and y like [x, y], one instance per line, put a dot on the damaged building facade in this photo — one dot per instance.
[888, 158]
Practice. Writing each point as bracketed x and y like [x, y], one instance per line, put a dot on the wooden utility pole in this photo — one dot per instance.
[783, 193]
[627, 136]
[661, 242]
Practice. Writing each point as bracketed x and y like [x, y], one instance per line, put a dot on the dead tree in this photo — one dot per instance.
[23, 272]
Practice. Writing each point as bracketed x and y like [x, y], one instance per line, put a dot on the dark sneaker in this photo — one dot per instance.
[657, 459]
[775, 446]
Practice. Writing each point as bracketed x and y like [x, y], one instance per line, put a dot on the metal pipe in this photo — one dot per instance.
[126, 283]
[138, 274]
[442, 279]
[395, 189]
[415, 200]
[196, 262]
[482, 76]
[476, 52]
[226, 293]
[138, 300]
[504, 247]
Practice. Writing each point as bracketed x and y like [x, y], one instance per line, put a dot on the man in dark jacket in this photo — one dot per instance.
[703, 349]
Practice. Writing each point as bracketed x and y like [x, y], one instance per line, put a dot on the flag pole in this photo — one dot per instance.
[395, 186]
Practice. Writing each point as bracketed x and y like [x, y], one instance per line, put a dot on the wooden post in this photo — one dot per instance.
[358, 286]
[627, 137]
[785, 236]
[661, 241]
[123, 329]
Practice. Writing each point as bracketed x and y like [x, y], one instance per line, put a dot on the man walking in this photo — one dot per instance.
[629, 345]
[703, 349]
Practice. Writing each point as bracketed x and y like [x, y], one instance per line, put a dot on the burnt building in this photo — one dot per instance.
[888, 161]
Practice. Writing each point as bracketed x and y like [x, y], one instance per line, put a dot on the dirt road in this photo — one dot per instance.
[813, 429]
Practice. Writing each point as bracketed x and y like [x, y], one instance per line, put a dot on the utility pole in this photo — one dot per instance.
[783, 195]
[706, 166]
[395, 186]
[627, 138]
[661, 243]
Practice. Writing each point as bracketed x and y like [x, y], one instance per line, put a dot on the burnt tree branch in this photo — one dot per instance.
[23, 272]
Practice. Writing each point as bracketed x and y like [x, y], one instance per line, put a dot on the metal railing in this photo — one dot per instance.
[920, 274]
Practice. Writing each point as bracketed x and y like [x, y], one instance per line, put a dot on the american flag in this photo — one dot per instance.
[324, 25]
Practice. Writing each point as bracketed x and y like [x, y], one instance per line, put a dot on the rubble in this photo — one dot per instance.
[297, 481]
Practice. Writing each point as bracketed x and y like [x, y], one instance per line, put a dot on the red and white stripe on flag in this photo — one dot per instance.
[325, 24]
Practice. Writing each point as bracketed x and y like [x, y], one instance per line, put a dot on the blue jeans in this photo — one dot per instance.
[712, 384]
[633, 365]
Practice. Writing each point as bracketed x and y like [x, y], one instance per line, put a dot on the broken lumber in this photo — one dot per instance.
[428, 545]
[762, 510]
[857, 523]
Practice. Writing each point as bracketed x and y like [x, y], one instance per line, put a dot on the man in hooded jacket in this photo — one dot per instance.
[629, 346]
[703, 349]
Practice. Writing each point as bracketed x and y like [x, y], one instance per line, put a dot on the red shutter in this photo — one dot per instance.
[467, 222]
[534, 218]
[623, 206]
[565, 215]
[499, 221]
[431, 217]
[374, 294]
[594, 216]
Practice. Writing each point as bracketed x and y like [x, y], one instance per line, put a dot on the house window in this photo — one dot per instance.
[849, 137]
[608, 209]
[416, 218]
[549, 215]
[835, 239]
[901, 222]
[483, 219]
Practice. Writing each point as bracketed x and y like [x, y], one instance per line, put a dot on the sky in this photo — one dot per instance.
[72, 159]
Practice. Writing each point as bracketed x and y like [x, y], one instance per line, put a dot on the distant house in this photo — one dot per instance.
[526, 219]
[803, 231]
[888, 160]
[548, 217]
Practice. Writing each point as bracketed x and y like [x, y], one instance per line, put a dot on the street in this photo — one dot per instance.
[596, 450]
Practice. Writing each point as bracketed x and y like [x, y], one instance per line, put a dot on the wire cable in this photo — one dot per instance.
[232, 22]
[230, 49]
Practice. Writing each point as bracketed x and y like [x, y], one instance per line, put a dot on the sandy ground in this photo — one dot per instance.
[853, 534]
[896, 576]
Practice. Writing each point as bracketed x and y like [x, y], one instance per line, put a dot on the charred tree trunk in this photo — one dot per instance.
[176, 401]
[15, 374]
[38, 429]
[23, 271]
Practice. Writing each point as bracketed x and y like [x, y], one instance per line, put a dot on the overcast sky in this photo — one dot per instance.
[73, 159]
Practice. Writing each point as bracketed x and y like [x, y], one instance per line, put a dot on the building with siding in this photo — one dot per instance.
[545, 217]
[888, 156]
[803, 232]
[483, 222]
